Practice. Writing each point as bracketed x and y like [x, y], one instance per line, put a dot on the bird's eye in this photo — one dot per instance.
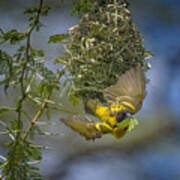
[121, 115]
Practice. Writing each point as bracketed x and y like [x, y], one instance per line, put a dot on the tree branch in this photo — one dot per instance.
[43, 106]
[27, 59]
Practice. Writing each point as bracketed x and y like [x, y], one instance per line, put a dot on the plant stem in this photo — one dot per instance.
[27, 59]
[43, 106]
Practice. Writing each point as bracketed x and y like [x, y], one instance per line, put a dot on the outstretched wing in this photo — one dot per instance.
[129, 90]
[83, 125]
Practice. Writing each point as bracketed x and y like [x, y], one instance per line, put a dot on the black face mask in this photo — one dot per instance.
[121, 115]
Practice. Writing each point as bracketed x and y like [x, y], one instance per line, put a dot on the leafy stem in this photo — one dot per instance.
[27, 59]
[15, 158]
[43, 106]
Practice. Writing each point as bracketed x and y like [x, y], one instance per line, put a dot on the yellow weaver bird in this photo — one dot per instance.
[123, 99]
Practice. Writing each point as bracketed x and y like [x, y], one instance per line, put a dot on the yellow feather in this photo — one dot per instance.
[126, 95]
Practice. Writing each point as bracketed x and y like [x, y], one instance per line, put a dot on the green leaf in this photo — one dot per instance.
[37, 52]
[45, 11]
[58, 38]
[48, 113]
[4, 110]
[59, 60]
[30, 10]
[13, 36]
[82, 6]
[34, 153]
[5, 60]
[36, 174]
[8, 144]
[3, 158]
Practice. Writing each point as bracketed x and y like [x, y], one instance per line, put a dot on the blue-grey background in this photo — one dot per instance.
[150, 151]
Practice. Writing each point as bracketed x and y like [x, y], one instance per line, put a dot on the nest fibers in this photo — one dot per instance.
[102, 46]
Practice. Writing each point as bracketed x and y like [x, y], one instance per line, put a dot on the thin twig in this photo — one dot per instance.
[27, 59]
[28, 44]
[43, 106]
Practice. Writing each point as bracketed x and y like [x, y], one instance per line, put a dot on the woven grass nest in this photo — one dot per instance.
[102, 46]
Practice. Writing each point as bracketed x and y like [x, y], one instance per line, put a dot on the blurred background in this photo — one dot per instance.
[151, 150]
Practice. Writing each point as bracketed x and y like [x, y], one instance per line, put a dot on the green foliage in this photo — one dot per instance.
[25, 71]
[13, 36]
[17, 167]
[82, 6]
[4, 110]
[58, 38]
[5, 60]
[6, 69]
